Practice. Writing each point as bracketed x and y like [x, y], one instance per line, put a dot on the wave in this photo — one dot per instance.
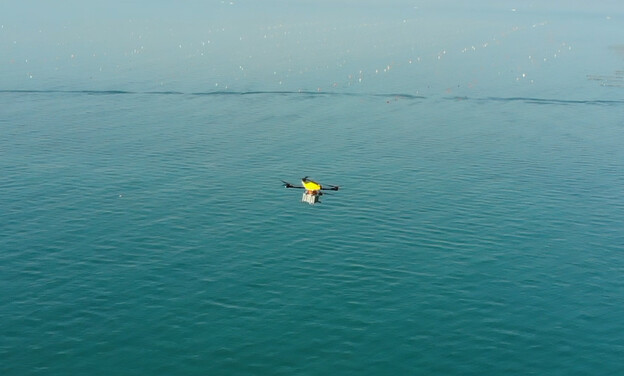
[395, 96]
[54, 91]
[551, 101]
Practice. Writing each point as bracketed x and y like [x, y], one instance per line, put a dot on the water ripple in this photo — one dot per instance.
[162, 233]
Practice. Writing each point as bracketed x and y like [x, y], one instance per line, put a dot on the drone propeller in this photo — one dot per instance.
[288, 185]
[331, 187]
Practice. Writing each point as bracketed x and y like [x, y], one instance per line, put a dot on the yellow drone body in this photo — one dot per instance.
[310, 185]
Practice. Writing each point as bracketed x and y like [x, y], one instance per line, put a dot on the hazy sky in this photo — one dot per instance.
[327, 45]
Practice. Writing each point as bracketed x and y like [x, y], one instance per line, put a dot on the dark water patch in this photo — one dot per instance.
[311, 93]
[388, 96]
[52, 91]
[544, 101]
[165, 92]
[102, 92]
[217, 93]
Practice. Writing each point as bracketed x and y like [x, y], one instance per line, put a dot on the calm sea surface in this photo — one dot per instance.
[477, 230]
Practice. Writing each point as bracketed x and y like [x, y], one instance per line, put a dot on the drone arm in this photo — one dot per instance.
[288, 185]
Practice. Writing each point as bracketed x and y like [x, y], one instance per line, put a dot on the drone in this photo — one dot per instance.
[313, 190]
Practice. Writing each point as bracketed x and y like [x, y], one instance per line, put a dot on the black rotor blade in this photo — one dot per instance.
[288, 185]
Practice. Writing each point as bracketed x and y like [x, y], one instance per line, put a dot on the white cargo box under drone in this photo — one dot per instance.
[310, 198]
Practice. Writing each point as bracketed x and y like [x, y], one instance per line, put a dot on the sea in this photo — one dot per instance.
[478, 229]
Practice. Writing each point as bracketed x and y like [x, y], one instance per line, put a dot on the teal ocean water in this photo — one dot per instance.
[478, 229]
